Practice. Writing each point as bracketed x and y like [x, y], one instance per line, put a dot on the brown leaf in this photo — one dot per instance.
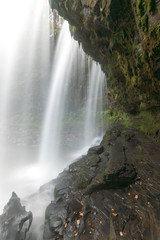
[114, 214]
[81, 203]
[81, 213]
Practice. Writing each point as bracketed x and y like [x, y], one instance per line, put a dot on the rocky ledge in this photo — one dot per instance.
[112, 193]
[124, 37]
[15, 222]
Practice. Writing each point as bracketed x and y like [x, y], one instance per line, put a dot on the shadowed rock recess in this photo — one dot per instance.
[124, 37]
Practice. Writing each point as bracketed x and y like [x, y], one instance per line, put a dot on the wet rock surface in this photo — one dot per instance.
[111, 195]
[15, 222]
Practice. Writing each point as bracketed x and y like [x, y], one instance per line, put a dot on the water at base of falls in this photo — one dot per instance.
[48, 118]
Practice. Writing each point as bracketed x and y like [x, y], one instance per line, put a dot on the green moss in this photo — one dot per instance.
[65, 4]
[140, 8]
[73, 30]
[149, 123]
[139, 148]
[119, 116]
[133, 80]
[74, 4]
[155, 34]
[144, 22]
[151, 6]
[142, 106]
[105, 172]
[81, 12]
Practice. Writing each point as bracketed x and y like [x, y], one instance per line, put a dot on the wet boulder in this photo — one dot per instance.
[96, 150]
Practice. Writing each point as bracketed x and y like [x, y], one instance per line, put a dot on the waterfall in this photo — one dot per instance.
[93, 133]
[24, 60]
[50, 110]
[70, 60]
[57, 96]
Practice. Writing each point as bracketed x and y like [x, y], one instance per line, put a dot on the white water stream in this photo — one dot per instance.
[47, 118]
[50, 149]
[94, 105]
[70, 60]
[24, 64]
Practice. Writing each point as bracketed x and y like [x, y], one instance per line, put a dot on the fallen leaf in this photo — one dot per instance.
[76, 234]
[81, 213]
[78, 222]
[114, 214]
[81, 203]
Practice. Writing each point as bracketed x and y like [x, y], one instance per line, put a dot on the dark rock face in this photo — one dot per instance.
[15, 222]
[96, 150]
[124, 37]
[111, 195]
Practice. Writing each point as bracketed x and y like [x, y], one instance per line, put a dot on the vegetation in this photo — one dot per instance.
[118, 116]
[146, 121]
